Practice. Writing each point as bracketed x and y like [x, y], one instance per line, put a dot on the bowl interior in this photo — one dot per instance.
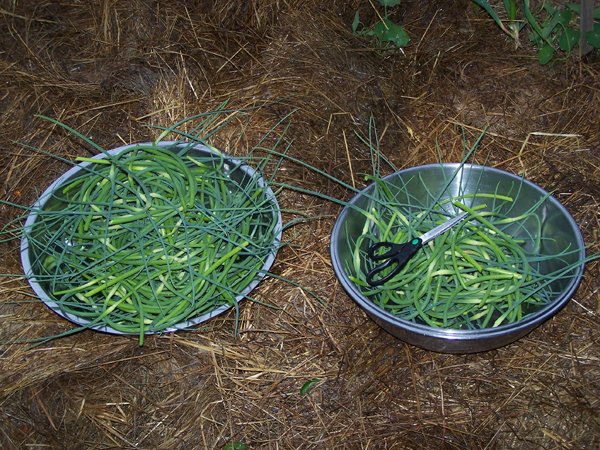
[550, 231]
[241, 175]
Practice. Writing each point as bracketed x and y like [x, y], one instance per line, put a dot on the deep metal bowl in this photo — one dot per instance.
[234, 168]
[423, 183]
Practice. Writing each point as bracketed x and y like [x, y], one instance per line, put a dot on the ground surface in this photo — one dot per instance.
[112, 68]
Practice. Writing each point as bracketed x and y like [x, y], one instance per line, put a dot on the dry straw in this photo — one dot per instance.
[114, 67]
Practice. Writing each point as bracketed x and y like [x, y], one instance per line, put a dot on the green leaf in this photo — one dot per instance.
[510, 6]
[492, 13]
[536, 39]
[356, 21]
[561, 17]
[388, 31]
[532, 22]
[593, 36]
[547, 6]
[516, 27]
[568, 39]
[389, 2]
[306, 387]
[545, 54]
[549, 26]
[564, 17]
[575, 7]
[236, 445]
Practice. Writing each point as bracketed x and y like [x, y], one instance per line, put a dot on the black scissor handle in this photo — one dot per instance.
[397, 255]
[374, 251]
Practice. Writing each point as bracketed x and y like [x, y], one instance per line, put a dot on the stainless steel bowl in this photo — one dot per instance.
[424, 183]
[236, 169]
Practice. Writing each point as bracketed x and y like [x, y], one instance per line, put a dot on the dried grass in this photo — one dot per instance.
[113, 68]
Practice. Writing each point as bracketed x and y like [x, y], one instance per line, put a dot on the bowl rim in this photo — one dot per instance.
[77, 168]
[529, 322]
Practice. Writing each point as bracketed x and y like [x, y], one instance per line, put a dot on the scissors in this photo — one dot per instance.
[399, 254]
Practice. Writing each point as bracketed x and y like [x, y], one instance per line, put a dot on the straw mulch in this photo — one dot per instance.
[113, 68]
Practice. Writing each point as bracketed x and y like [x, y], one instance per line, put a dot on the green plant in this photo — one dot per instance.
[235, 445]
[386, 31]
[553, 29]
[307, 387]
[151, 237]
[513, 25]
[477, 275]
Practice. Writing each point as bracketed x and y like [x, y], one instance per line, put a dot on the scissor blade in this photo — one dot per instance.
[435, 232]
